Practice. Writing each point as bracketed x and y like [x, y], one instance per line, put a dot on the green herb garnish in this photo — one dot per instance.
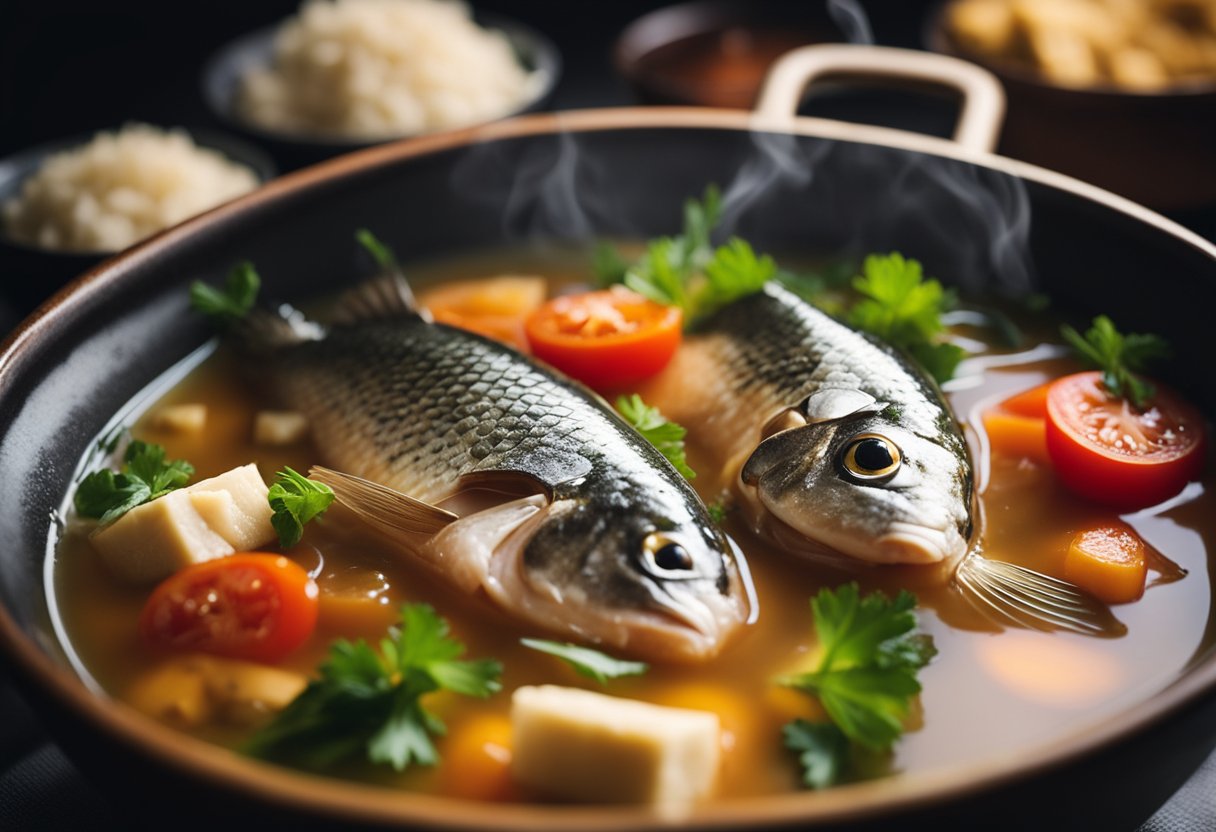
[371, 703]
[587, 662]
[295, 499]
[667, 437]
[866, 676]
[822, 748]
[144, 476]
[233, 302]
[717, 512]
[687, 270]
[382, 254]
[905, 309]
[1119, 357]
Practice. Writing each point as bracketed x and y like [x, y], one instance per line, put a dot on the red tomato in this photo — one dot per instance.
[608, 339]
[1107, 450]
[252, 606]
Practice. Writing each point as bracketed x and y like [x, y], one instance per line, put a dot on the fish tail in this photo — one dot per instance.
[1016, 596]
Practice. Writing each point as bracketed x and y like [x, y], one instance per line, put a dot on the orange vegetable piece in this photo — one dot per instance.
[1108, 562]
[476, 759]
[492, 306]
[1017, 426]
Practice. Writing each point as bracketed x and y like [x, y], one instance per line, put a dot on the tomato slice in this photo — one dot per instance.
[253, 606]
[608, 339]
[1107, 450]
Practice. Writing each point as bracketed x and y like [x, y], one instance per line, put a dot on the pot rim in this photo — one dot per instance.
[279, 787]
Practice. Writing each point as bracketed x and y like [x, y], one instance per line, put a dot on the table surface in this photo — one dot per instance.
[39, 787]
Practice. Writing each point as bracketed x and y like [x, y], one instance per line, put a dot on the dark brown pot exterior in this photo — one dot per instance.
[578, 177]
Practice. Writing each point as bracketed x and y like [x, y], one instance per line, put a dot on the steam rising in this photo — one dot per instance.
[787, 194]
[851, 18]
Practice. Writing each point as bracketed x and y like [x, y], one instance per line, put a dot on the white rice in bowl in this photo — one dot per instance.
[376, 69]
[120, 188]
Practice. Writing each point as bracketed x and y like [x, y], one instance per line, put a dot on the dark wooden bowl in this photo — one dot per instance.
[816, 188]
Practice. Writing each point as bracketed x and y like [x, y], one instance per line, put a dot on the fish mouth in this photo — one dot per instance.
[679, 625]
[900, 542]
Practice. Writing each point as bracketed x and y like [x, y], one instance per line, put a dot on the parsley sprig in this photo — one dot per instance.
[144, 476]
[1120, 357]
[295, 500]
[372, 703]
[231, 303]
[687, 270]
[904, 308]
[587, 662]
[865, 678]
[667, 437]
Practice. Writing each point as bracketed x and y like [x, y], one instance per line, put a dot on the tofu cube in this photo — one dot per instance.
[279, 427]
[580, 745]
[210, 519]
[181, 418]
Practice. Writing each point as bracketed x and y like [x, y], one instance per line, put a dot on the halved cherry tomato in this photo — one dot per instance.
[608, 339]
[1105, 449]
[252, 606]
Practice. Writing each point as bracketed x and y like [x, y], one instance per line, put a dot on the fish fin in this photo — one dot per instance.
[263, 331]
[1021, 597]
[387, 297]
[514, 483]
[381, 507]
[793, 443]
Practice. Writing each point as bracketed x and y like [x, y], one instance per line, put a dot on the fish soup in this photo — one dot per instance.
[993, 689]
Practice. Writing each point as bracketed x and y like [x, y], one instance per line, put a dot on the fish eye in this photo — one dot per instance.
[870, 457]
[665, 557]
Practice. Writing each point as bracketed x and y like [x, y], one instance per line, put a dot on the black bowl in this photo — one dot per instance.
[69, 370]
[223, 72]
[29, 274]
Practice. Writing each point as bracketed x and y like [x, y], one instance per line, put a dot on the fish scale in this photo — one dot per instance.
[456, 405]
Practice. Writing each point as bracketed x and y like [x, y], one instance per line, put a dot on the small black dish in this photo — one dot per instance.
[29, 274]
[223, 72]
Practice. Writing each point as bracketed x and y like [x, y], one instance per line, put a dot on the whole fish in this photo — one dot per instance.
[505, 478]
[839, 447]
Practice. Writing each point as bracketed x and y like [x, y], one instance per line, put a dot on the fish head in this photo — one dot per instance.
[865, 487]
[642, 570]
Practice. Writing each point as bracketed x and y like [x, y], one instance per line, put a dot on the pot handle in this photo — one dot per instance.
[983, 105]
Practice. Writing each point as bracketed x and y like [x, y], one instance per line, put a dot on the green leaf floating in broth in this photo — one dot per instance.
[1120, 357]
[296, 500]
[145, 475]
[373, 703]
[233, 302]
[666, 436]
[587, 662]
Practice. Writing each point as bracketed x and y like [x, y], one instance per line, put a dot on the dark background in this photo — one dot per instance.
[69, 67]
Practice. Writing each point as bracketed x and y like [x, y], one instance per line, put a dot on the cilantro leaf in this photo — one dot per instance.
[667, 437]
[382, 254]
[587, 662]
[364, 702]
[866, 677]
[295, 500]
[145, 475]
[904, 308]
[233, 302]
[687, 270]
[823, 751]
[717, 512]
[1120, 357]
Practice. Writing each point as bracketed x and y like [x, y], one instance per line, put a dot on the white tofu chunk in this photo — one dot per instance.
[210, 519]
[279, 427]
[243, 516]
[580, 745]
[181, 418]
[152, 541]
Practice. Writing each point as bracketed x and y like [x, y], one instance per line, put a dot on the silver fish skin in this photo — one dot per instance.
[593, 533]
[797, 405]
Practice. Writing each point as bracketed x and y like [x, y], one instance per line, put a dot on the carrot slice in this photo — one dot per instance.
[1031, 403]
[1108, 562]
[1012, 434]
[491, 306]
